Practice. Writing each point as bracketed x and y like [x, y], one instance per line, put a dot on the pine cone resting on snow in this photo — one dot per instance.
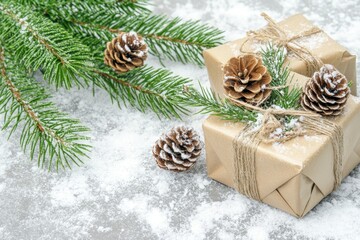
[246, 79]
[326, 93]
[126, 52]
[177, 150]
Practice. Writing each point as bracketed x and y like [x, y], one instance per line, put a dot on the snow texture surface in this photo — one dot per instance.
[121, 193]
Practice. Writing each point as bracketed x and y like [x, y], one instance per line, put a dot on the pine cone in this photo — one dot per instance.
[177, 150]
[326, 92]
[246, 79]
[126, 52]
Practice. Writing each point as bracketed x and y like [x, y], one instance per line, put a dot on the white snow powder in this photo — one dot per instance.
[121, 184]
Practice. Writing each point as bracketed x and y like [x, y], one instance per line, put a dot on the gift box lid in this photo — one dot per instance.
[320, 44]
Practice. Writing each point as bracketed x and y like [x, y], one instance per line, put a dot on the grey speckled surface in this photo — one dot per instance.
[121, 194]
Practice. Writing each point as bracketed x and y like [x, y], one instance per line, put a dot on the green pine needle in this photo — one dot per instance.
[144, 88]
[38, 43]
[286, 98]
[274, 59]
[120, 6]
[50, 136]
[65, 40]
[172, 39]
[208, 102]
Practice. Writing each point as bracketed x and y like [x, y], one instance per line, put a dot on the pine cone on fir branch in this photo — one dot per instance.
[247, 79]
[326, 92]
[178, 150]
[126, 52]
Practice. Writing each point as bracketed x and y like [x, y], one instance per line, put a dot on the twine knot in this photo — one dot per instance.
[249, 139]
[269, 124]
[274, 33]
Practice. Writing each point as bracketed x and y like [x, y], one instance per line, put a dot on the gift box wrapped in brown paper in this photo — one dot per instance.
[293, 176]
[318, 44]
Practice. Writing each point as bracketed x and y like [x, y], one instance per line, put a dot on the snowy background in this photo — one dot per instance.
[121, 193]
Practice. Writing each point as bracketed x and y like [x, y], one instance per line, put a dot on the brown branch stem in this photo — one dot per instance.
[125, 83]
[35, 34]
[118, 31]
[25, 105]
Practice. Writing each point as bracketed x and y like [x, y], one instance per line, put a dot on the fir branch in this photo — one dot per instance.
[57, 140]
[110, 10]
[135, 7]
[144, 88]
[286, 97]
[37, 43]
[129, 7]
[172, 39]
[208, 102]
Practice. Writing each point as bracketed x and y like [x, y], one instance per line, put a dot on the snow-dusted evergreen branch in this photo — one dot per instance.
[38, 43]
[66, 40]
[118, 6]
[286, 97]
[173, 39]
[144, 88]
[208, 102]
[56, 140]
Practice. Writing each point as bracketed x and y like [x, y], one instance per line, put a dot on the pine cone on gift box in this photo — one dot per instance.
[178, 150]
[326, 92]
[247, 79]
[126, 52]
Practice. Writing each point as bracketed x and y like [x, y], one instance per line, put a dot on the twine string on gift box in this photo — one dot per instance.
[334, 131]
[249, 139]
[278, 36]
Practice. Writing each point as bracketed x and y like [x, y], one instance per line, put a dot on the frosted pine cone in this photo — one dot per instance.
[126, 52]
[178, 150]
[246, 79]
[326, 93]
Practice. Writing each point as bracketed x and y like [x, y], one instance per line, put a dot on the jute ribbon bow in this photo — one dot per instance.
[249, 139]
[274, 33]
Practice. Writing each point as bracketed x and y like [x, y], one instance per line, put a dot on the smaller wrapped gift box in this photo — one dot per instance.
[293, 176]
[318, 44]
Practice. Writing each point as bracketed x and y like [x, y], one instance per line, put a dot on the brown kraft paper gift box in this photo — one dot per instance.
[296, 175]
[319, 44]
[293, 176]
